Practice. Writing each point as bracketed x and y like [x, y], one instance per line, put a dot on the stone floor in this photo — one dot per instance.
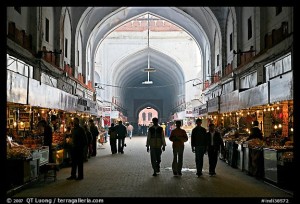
[129, 175]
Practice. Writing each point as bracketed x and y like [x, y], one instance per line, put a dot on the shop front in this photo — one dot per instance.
[29, 101]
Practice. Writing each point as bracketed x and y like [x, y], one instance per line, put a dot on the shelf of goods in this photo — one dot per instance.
[58, 152]
[233, 150]
[278, 166]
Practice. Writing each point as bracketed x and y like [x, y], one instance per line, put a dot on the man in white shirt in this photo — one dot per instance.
[129, 130]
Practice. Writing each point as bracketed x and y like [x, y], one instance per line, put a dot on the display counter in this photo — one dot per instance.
[44, 155]
[246, 153]
[231, 152]
[278, 167]
[17, 172]
[256, 162]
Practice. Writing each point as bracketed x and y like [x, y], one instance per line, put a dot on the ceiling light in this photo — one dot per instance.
[149, 70]
[147, 82]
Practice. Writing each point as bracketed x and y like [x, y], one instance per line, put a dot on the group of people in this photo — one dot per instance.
[82, 143]
[83, 146]
[117, 136]
[202, 142]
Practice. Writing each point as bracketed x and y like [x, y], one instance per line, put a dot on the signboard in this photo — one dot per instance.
[213, 105]
[68, 102]
[87, 106]
[189, 114]
[203, 110]
[114, 114]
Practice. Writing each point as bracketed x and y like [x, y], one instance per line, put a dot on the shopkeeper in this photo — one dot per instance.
[53, 123]
[255, 132]
[46, 130]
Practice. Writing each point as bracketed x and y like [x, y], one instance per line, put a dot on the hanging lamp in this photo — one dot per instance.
[148, 69]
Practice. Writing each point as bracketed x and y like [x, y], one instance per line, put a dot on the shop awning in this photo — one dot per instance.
[281, 88]
[254, 97]
[229, 102]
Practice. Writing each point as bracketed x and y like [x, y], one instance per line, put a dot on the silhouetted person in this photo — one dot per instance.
[156, 141]
[178, 137]
[79, 141]
[255, 132]
[46, 131]
[113, 138]
[121, 134]
[199, 145]
[95, 132]
[215, 144]
[89, 148]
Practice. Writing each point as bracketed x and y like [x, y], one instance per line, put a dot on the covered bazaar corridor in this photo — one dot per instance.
[130, 175]
[229, 66]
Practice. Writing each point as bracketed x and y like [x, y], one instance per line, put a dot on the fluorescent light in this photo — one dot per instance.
[149, 70]
[147, 82]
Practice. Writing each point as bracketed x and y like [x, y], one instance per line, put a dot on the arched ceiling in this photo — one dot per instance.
[131, 68]
[95, 23]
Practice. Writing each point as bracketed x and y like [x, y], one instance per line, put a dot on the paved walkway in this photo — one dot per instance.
[130, 175]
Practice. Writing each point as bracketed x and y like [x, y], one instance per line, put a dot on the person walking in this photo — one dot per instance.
[113, 138]
[95, 132]
[129, 130]
[199, 145]
[215, 144]
[121, 134]
[178, 137]
[79, 141]
[157, 143]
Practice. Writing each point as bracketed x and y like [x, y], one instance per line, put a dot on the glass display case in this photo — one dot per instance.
[231, 153]
[278, 166]
[44, 155]
[34, 164]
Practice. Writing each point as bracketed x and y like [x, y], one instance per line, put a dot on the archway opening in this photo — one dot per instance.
[145, 119]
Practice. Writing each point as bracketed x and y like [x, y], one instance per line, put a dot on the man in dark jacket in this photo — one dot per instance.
[113, 138]
[79, 141]
[46, 131]
[156, 141]
[199, 145]
[95, 132]
[214, 145]
[121, 134]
